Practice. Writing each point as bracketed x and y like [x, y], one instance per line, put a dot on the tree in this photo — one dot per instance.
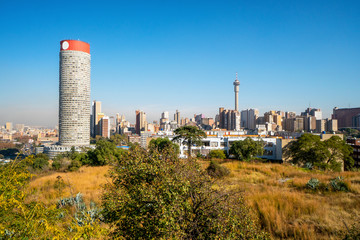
[153, 198]
[220, 154]
[321, 154]
[189, 135]
[340, 153]
[247, 149]
[164, 146]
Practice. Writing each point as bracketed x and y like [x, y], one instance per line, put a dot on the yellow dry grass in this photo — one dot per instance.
[276, 193]
[88, 181]
[286, 208]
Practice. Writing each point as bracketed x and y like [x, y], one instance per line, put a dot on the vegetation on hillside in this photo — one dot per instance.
[155, 198]
[329, 154]
[189, 135]
[247, 149]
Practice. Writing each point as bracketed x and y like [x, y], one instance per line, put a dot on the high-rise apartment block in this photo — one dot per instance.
[141, 124]
[74, 100]
[229, 119]
[104, 126]
[95, 118]
[177, 117]
[9, 126]
[346, 116]
[249, 118]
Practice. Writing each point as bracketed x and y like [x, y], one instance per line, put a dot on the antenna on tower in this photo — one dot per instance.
[236, 76]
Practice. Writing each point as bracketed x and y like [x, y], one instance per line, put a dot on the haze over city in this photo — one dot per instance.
[160, 56]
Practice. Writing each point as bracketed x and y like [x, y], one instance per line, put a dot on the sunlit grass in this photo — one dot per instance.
[87, 180]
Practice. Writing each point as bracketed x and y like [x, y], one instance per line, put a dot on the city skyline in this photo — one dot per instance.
[167, 56]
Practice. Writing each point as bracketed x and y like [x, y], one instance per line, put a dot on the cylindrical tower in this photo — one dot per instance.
[236, 90]
[74, 93]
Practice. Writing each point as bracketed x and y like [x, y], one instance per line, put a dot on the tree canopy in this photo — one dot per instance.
[189, 135]
[328, 154]
[247, 149]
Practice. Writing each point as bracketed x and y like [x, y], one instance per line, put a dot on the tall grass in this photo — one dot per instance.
[286, 208]
[87, 180]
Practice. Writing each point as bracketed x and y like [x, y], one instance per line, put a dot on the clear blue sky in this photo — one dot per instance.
[167, 55]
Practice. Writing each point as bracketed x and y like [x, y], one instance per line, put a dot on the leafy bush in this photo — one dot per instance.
[313, 183]
[338, 184]
[220, 154]
[216, 170]
[74, 165]
[153, 198]
[40, 163]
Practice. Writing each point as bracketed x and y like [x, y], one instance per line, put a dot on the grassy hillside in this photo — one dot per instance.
[277, 193]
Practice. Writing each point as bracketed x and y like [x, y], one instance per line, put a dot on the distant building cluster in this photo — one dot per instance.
[79, 119]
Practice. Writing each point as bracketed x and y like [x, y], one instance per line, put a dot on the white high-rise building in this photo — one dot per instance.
[74, 88]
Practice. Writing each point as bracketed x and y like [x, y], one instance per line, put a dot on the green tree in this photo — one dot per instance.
[189, 135]
[340, 153]
[220, 154]
[153, 198]
[308, 149]
[328, 154]
[163, 145]
[104, 153]
[247, 149]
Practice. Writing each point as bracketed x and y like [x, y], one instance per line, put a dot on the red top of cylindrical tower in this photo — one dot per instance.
[74, 45]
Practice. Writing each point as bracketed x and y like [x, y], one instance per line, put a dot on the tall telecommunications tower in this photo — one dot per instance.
[236, 90]
[74, 93]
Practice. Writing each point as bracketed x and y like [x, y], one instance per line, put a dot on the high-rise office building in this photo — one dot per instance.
[140, 122]
[95, 118]
[9, 126]
[177, 117]
[345, 116]
[74, 100]
[236, 90]
[104, 125]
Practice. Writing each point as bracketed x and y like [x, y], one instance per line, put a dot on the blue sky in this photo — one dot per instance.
[166, 55]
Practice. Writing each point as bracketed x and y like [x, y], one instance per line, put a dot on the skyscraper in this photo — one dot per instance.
[236, 90]
[74, 88]
[96, 117]
[140, 122]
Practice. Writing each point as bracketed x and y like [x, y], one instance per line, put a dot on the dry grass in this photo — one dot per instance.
[87, 180]
[276, 192]
[286, 208]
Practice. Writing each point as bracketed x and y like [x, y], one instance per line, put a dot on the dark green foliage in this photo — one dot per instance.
[56, 165]
[153, 198]
[74, 165]
[219, 154]
[163, 145]
[189, 135]
[40, 163]
[247, 149]
[216, 170]
[105, 153]
[338, 184]
[339, 152]
[329, 154]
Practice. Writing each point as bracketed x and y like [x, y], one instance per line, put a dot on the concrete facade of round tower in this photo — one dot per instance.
[74, 93]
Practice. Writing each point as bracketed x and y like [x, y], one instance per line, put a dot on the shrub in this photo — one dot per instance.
[40, 163]
[56, 165]
[338, 184]
[216, 170]
[313, 183]
[150, 198]
[74, 165]
[220, 154]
